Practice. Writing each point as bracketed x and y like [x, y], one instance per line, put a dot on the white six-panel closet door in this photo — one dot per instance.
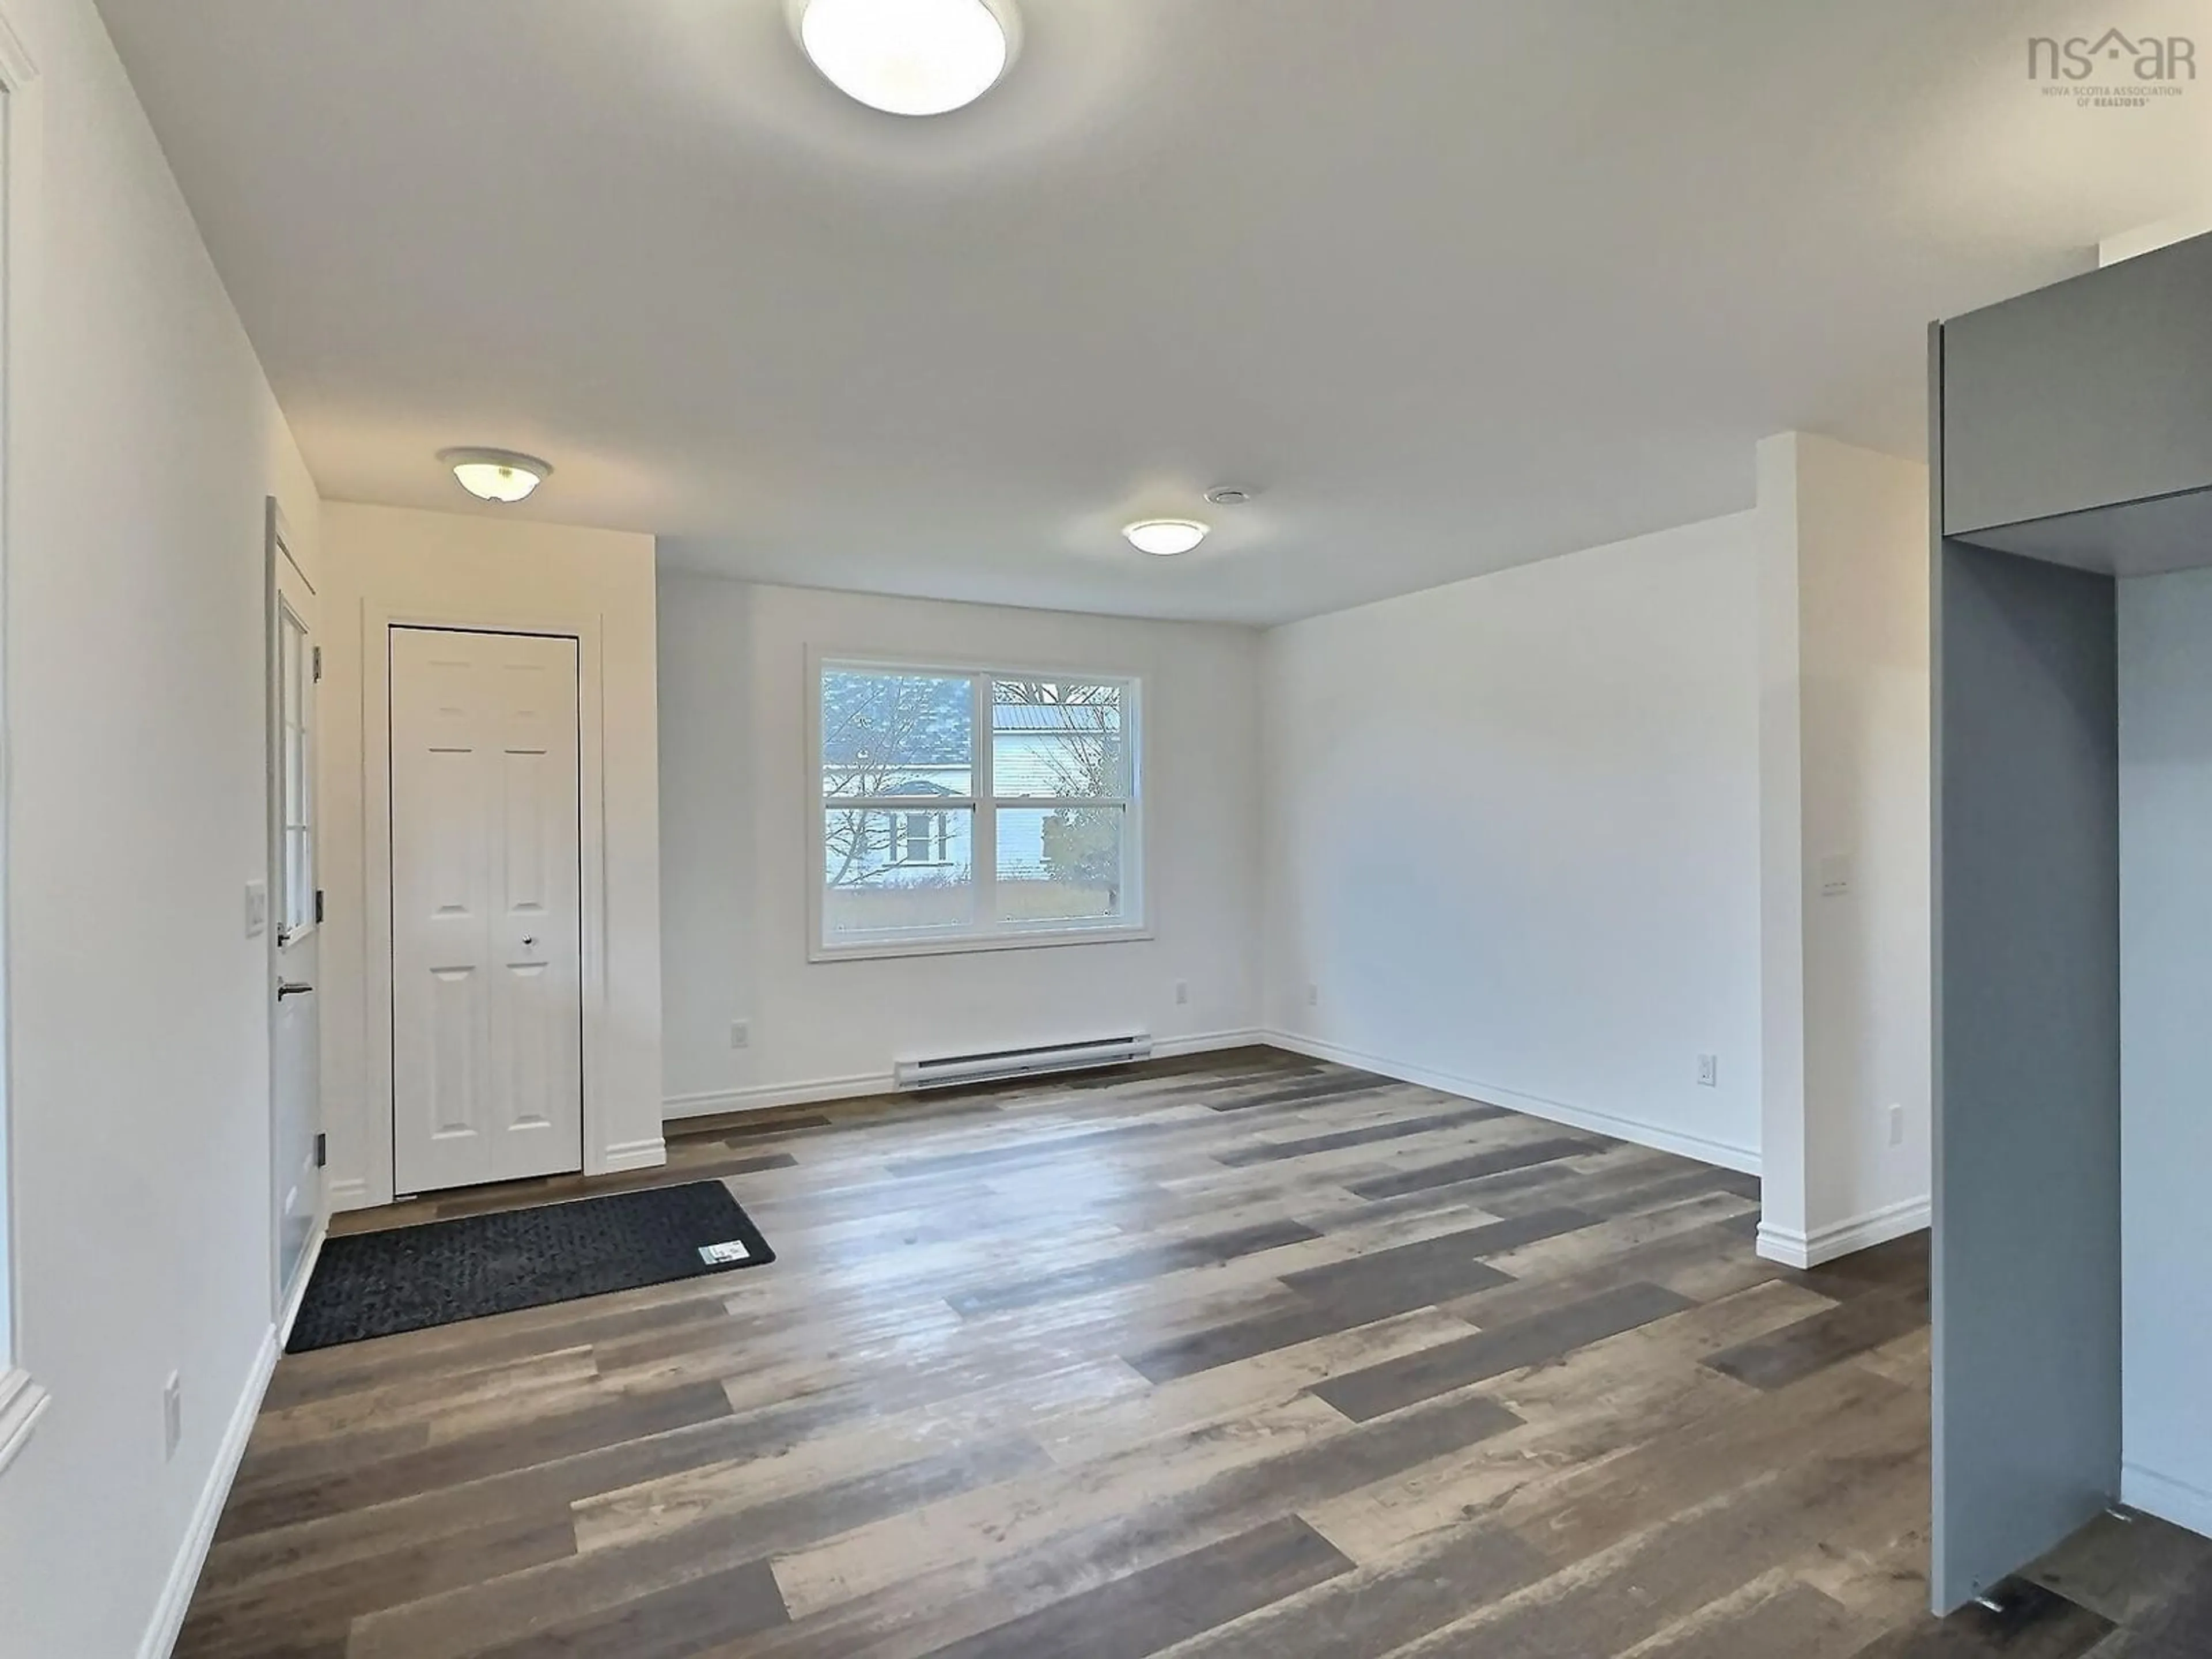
[486, 935]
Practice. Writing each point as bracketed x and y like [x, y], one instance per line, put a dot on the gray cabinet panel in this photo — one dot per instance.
[2027, 1062]
[2152, 538]
[2093, 391]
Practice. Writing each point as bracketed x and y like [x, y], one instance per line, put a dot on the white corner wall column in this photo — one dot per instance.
[395, 567]
[1843, 848]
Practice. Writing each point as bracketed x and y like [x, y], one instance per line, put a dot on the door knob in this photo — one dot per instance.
[291, 988]
[528, 940]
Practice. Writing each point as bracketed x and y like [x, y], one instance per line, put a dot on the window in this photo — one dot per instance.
[295, 869]
[922, 838]
[966, 809]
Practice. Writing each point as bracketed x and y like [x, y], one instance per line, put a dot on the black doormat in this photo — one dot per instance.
[408, 1278]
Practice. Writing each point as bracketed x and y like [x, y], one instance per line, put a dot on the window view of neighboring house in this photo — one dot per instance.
[922, 838]
[929, 836]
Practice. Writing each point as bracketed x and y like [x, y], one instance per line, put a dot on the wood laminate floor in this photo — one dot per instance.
[1242, 1357]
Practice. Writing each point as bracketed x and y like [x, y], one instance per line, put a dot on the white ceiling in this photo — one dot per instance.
[1455, 283]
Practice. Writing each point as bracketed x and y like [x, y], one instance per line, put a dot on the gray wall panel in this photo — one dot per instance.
[2165, 1012]
[2028, 1115]
[2092, 391]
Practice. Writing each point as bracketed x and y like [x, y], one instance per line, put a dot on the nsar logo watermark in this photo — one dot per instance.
[2114, 70]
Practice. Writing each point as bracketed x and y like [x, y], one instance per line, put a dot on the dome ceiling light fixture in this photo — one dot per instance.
[1165, 536]
[496, 475]
[909, 57]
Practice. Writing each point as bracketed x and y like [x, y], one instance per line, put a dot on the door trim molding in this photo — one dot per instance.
[586, 629]
[22, 1403]
[22, 221]
[277, 558]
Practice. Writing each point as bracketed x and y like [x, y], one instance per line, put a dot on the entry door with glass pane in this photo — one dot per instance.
[295, 1101]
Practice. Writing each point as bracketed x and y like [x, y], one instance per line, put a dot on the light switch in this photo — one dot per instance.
[1835, 875]
[256, 908]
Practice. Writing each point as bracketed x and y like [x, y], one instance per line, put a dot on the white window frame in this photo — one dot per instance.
[988, 934]
[293, 903]
[22, 1401]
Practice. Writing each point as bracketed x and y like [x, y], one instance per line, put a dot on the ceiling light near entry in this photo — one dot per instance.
[496, 475]
[909, 57]
[1165, 536]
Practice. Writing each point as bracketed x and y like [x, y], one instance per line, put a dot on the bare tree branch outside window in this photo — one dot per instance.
[1086, 757]
[888, 735]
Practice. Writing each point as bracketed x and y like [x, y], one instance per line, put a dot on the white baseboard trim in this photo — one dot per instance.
[22, 1403]
[1841, 1239]
[649, 1154]
[351, 1193]
[2168, 1499]
[176, 1601]
[1723, 1153]
[168, 1621]
[764, 1096]
[301, 1275]
[1207, 1042]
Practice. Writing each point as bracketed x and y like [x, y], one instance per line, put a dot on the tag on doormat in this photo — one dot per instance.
[720, 1256]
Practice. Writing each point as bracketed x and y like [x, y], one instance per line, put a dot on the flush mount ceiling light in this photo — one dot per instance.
[1165, 536]
[496, 475]
[909, 57]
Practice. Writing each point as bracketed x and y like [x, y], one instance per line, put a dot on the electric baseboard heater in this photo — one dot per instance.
[943, 1071]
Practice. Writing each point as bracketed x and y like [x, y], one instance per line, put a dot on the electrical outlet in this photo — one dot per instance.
[1897, 1126]
[1313, 996]
[741, 1033]
[1182, 993]
[173, 1415]
[1709, 1071]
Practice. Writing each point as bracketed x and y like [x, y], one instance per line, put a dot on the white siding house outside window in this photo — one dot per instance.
[968, 809]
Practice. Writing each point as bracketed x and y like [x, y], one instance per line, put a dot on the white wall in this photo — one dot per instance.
[1513, 837]
[737, 856]
[708, 808]
[2149, 239]
[477, 569]
[2166, 1008]
[1842, 539]
[139, 1017]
